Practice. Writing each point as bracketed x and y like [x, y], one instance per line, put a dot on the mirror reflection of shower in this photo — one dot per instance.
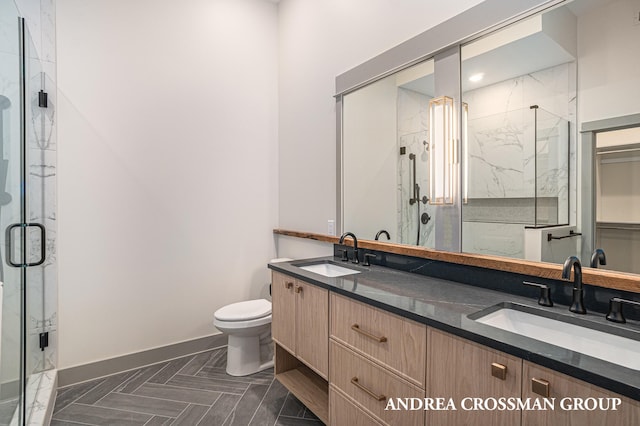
[416, 199]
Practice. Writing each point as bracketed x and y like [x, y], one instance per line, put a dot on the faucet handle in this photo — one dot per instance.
[344, 257]
[615, 309]
[545, 293]
[366, 259]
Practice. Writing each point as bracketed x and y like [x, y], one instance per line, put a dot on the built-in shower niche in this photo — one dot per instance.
[516, 175]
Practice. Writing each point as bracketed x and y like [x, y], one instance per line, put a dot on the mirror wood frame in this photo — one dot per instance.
[484, 18]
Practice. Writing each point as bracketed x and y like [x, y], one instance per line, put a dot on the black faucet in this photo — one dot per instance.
[598, 255]
[355, 245]
[577, 303]
[382, 231]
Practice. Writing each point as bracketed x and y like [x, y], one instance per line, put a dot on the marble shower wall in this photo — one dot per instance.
[501, 157]
[413, 135]
[10, 185]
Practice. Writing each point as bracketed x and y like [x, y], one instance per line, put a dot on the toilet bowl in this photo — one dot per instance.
[248, 325]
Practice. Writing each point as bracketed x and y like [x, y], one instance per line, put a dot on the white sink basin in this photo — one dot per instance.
[598, 344]
[329, 270]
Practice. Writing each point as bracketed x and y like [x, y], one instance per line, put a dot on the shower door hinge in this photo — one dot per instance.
[44, 340]
[43, 101]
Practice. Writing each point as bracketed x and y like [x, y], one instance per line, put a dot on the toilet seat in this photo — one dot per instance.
[239, 325]
[244, 311]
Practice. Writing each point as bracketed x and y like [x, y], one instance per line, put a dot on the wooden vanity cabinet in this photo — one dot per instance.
[458, 368]
[565, 389]
[343, 359]
[374, 355]
[300, 321]
[300, 330]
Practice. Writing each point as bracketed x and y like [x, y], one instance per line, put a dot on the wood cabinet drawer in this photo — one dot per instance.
[567, 392]
[343, 411]
[371, 385]
[398, 343]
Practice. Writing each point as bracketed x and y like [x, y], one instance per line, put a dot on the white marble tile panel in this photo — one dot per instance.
[10, 367]
[549, 89]
[42, 184]
[47, 21]
[30, 11]
[497, 239]
[413, 112]
[495, 99]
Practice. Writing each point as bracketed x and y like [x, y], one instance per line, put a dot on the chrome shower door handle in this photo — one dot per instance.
[9, 243]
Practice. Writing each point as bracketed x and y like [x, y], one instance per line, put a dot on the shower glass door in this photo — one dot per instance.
[23, 125]
[30, 240]
[11, 297]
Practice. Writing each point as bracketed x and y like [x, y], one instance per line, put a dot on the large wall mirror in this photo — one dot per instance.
[526, 174]
[519, 89]
[386, 157]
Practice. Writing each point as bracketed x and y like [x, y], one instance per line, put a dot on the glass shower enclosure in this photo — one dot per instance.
[517, 175]
[24, 125]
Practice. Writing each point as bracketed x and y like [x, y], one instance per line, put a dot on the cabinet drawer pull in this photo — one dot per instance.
[288, 285]
[299, 289]
[540, 386]
[380, 339]
[499, 371]
[355, 382]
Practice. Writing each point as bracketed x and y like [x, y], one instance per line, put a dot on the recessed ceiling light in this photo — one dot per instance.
[476, 77]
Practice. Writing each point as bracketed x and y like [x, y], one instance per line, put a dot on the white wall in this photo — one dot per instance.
[608, 82]
[318, 41]
[168, 168]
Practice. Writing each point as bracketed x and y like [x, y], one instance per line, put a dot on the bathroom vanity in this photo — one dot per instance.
[353, 347]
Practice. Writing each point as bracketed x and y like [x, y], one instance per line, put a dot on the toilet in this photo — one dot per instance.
[248, 325]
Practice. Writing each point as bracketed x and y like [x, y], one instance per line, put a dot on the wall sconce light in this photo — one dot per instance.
[443, 151]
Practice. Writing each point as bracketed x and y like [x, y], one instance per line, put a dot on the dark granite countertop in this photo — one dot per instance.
[445, 305]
